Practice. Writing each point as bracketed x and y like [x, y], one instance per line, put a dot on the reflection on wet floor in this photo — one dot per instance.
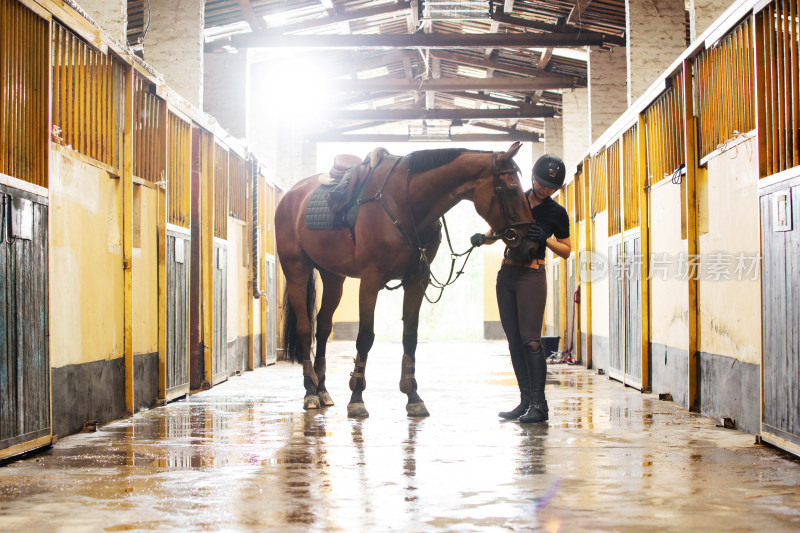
[244, 456]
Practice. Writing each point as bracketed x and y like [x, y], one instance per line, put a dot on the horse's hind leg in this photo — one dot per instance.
[297, 288]
[331, 296]
[413, 292]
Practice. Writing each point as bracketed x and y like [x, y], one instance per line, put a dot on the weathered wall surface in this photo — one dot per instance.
[656, 35]
[576, 125]
[608, 76]
[86, 281]
[729, 288]
[174, 45]
[225, 90]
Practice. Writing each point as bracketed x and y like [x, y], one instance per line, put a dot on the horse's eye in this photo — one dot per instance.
[511, 191]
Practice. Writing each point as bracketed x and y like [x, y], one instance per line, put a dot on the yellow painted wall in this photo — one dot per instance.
[145, 270]
[348, 307]
[669, 301]
[580, 326]
[600, 288]
[86, 276]
[238, 295]
[730, 310]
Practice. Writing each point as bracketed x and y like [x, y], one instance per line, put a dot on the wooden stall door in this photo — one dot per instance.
[177, 363]
[780, 301]
[616, 310]
[572, 327]
[625, 309]
[24, 311]
[269, 335]
[633, 309]
[220, 306]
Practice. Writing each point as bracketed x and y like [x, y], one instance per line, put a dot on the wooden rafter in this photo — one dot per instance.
[256, 23]
[571, 39]
[378, 138]
[336, 18]
[577, 10]
[555, 28]
[493, 100]
[450, 84]
[436, 114]
[492, 64]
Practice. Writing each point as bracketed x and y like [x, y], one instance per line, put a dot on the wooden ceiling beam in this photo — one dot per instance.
[556, 29]
[393, 115]
[577, 10]
[493, 100]
[492, 64]
[571, 39]
[450, 84]
[256, 23]
[336, 17]
[455, 138]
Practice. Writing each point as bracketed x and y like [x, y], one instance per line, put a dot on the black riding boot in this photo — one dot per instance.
[537, 370]
[524, 382]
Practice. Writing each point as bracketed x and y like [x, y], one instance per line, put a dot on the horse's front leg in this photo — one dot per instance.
[331, 296]
[413, 292]
[367, 297]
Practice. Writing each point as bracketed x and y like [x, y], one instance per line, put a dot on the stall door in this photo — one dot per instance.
[177, 363]
[270, 332]
[572, 326]
[616, 310]
[24, 353]
[780, 301]
[625, 309]
[219, 358]
[633, 310]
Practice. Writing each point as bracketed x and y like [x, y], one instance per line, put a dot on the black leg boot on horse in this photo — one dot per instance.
[320, 368]
[413, 293]
[537, 373]
[523, 380]
[358, 380]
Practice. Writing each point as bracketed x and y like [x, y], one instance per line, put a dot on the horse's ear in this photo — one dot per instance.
[512, 151]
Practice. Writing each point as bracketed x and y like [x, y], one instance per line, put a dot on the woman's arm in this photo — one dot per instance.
[560, 247]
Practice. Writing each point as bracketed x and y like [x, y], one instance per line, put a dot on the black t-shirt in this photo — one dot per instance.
[553, 219]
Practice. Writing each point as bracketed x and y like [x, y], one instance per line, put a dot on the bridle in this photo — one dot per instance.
[509, 233]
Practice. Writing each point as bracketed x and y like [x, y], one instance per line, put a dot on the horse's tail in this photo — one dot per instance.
[291, 340]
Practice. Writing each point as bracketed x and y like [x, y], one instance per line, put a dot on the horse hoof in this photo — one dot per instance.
[417, 409]
[325, 399]
[311, 401]
[357, 410]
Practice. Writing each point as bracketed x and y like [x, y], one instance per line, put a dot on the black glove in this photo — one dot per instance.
[478, 239]
[536, 233]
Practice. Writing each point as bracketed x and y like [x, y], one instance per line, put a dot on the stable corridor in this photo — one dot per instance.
[244, 456]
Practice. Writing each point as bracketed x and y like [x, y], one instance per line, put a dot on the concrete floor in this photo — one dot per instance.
[244, 456]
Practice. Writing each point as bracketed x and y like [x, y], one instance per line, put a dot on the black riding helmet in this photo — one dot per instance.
[549, 170]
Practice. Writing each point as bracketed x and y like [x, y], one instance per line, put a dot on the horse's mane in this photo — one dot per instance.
[423, 160]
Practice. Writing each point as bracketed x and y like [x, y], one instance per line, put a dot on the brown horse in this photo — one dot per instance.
[395, 237]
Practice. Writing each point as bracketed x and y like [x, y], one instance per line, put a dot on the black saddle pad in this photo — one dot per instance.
[320, 216]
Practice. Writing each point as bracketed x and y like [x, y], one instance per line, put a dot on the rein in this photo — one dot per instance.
[417, 242]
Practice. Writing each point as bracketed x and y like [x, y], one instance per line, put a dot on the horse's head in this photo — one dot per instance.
[500, 200]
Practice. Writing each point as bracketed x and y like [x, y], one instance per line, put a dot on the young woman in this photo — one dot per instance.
[522, 288]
